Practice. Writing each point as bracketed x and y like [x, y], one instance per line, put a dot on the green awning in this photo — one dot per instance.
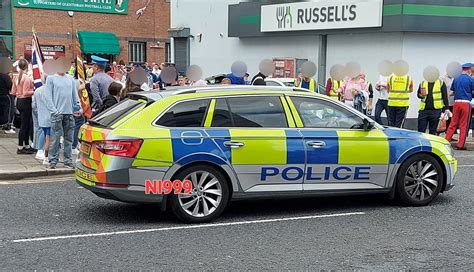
[99, 43]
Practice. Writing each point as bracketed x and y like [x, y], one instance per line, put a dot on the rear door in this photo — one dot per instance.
[340, 154]
[265, 149]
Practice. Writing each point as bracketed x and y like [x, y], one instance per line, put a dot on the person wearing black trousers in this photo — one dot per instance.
[23, 90]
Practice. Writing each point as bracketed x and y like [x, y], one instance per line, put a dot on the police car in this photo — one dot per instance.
[238, 142]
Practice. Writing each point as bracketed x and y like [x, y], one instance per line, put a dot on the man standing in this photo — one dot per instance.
[462, 86]
[382, 102]
[63, 103]
[434, 99]
[399, 89]
[99, 83]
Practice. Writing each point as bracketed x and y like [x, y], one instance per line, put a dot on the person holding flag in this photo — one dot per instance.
[37, 60]
[80, 74]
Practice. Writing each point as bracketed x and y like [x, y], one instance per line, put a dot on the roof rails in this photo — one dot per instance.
[239, 88]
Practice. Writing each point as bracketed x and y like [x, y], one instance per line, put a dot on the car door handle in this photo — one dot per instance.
[316, 144]
[233, 144]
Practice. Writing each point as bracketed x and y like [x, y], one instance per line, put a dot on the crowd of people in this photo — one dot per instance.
[49, 117]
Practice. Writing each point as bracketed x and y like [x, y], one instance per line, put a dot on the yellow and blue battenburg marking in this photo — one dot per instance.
[287, 146]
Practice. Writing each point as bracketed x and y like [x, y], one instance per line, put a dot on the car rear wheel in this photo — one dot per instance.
[420, 179]
[207, 199]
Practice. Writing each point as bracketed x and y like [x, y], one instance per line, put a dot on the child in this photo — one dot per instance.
[113, 97]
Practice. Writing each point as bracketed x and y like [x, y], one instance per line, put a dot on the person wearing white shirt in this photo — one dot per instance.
[382, 102]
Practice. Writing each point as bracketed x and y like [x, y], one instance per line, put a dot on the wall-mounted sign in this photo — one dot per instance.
[49, 51]
[104, 6]
[321, 15]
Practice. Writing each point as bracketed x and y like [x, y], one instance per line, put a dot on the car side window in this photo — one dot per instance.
[221, 116]
[185, 114]
[261, 111]
[317, 113]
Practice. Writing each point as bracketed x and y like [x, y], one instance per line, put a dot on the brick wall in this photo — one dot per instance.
[57, 27]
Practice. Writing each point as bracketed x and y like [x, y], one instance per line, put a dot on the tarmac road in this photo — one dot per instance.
[84, 232]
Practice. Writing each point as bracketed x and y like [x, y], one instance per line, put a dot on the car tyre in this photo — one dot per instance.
[208, 198]
[419, 180]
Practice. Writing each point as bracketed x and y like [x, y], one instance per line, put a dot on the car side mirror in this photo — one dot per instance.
[368, 125]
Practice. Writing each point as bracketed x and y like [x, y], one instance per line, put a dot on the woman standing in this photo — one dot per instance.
[352, 88]
[23, 90]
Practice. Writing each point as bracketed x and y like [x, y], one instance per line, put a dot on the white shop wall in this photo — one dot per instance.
[418, 49]
[215, 54]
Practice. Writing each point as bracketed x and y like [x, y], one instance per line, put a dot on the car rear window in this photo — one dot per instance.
[117, 112]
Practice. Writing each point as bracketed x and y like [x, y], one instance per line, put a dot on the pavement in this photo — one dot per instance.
[51, 223]
[13, 166]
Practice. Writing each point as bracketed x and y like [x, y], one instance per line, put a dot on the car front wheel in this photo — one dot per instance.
[420, 179]
[208, 198]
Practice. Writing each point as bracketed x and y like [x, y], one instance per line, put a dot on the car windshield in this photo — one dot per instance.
[117, 112]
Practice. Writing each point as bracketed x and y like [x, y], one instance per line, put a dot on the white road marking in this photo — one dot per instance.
[465, 165]
[48, 238]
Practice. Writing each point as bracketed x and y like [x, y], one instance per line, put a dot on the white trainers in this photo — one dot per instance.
[11, 131]
[39, 155]
[45, 161]
[75, 151]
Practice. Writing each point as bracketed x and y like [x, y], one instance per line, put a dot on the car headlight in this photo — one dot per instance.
[450, 149]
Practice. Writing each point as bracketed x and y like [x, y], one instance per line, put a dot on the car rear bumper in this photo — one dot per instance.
[131, 194]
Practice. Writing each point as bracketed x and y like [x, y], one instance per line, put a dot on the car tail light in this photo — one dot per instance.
[121, 148]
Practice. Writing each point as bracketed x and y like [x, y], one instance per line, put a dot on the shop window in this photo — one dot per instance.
[137, 52]
[5, 15]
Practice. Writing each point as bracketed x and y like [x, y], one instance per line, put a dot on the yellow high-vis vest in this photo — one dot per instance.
[335, 85]
[437, 95]
[399, 95]
[312, 84]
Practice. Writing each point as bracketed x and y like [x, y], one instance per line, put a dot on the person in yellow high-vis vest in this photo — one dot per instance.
[306, 83]
[434, 100]
[332, 87]
[399, 90]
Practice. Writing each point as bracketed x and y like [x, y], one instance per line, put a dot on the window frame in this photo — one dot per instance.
[336, 104]
[132, 53]
[203, 122]
[290, 123]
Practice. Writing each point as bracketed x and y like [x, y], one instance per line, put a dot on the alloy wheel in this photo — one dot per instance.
[421, 180]
[205, 196]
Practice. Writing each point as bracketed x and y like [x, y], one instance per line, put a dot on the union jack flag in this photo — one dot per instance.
[37, 60]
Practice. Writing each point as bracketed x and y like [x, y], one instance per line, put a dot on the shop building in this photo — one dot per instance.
[110, 28]
[328, 32]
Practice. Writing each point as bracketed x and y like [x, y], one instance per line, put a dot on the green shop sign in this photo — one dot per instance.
[103, 6]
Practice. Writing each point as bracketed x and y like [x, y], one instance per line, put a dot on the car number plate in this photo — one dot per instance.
[85, 175]
[85, 148]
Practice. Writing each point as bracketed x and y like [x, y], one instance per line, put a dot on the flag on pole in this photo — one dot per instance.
[81, 75]
[37, 60]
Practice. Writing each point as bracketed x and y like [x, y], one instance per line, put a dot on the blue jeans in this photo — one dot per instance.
[61, 125]
[38, 135]
[78, 122]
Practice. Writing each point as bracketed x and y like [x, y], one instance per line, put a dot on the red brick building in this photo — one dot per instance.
[143, 39]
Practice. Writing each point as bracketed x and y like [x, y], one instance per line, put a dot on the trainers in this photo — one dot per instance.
[34, 150]
[11, 131]
[24, 151]
[45, 161]
[52, 166]
[75, 151]
[69, 165]
[40, 155]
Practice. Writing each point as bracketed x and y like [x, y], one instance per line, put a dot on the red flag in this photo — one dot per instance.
[80, 73]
